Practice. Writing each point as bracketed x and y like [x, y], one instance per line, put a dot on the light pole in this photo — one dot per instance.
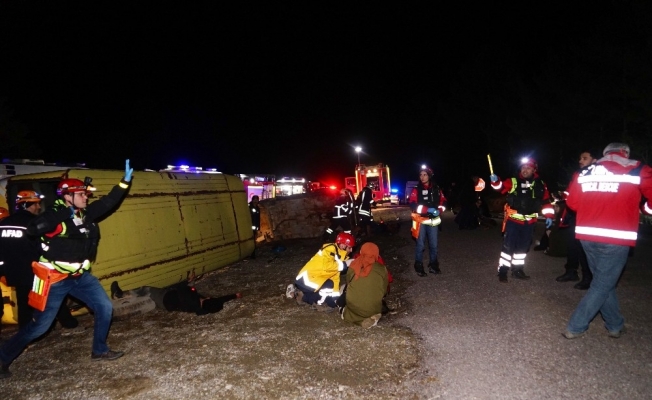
[358, 149]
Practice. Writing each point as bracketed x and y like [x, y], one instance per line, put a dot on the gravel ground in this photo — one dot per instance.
[458, 335]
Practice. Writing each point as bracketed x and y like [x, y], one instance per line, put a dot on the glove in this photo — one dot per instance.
[493, 178]
[548, 223]
[433, 212]
[128, 171]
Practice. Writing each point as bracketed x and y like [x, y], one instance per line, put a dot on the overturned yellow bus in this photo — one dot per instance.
[169, 224]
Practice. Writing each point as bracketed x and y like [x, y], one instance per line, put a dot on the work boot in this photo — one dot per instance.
[502, 274]
[519, 274]
[326, 237]
[4, 371]
[584, 284]
[433, 267]
[116, 292]
[418, 266]
[108, 356]
[568, 276]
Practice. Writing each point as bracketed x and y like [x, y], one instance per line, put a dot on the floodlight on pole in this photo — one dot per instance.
[358, 149]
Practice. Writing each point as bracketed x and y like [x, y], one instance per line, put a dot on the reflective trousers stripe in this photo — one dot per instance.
[507, 260]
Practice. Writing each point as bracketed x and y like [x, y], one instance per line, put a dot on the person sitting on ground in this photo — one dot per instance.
[180, 297]
[318, 282]
[367, 282]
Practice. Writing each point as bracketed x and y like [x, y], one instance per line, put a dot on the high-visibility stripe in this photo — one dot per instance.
[647, 208]
[521, 217]
[505, 260]
[607, 233]
[66, 267]
[304, 276]
[610, 178]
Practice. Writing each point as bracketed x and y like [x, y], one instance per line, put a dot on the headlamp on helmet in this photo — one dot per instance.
[529, 161]
[427, 170]
[28, 196]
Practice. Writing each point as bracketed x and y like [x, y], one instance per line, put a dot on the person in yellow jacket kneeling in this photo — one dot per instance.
[318, 282]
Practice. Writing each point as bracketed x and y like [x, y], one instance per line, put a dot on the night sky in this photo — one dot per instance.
[291, 88]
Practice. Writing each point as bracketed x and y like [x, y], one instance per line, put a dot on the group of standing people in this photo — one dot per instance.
[350, 212]
[68, 235]
[603, 205]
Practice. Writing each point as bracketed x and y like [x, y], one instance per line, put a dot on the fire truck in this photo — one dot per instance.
[375, 175]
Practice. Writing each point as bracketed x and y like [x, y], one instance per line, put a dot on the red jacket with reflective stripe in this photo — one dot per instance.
[606, 197]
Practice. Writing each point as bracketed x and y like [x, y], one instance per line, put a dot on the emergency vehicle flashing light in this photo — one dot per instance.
[188, 168]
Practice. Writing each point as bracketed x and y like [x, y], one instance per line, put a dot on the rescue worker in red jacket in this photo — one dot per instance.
[526, 194]
[606, 197]
[427, 203]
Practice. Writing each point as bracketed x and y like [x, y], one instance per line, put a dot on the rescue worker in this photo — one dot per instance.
[4, 213]
[576, 256]
[318, 282]
[69, 237]
[342, 212]
[427, 203]
[364, 202]
[526, 194]
[18, 250]
[607, 197]
[254, 210]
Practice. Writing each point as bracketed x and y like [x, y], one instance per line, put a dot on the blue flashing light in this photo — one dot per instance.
[394, 190]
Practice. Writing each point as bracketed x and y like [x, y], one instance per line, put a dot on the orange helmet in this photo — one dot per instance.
[345, 238]
[4, 213]
[28, 196]
[67, 186]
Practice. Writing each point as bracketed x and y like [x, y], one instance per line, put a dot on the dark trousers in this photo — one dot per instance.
[516, 243]
[577, 257]
[339, 222]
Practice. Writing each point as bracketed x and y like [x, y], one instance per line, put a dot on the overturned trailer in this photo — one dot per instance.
[168, 225]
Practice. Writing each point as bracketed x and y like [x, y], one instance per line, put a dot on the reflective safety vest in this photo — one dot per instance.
[68, 268]
[418, 220]
[524, 200]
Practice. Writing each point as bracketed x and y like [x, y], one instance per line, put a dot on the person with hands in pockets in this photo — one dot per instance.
[527, 195]
[69, 237]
